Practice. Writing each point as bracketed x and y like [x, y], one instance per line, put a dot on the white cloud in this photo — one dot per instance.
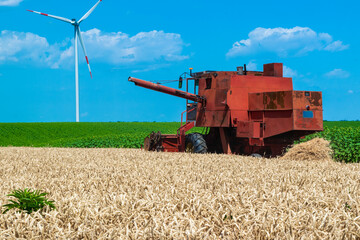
[285, 41]
[251, 66]
[113, 48]
[118, 48]
[20, 46]
[336, 46]
[337, 73]
[288, 72]
[10, 2]
[151, 67]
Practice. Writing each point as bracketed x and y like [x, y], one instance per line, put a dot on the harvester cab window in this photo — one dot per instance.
[208, 83]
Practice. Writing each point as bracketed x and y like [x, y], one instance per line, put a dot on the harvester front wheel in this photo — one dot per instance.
[195, 143]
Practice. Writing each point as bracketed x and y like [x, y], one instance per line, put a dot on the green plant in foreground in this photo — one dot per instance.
[28, 201]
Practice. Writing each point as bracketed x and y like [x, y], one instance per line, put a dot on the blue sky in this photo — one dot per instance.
[318, 42]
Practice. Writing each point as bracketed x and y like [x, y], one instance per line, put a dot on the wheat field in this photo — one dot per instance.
[133, 194]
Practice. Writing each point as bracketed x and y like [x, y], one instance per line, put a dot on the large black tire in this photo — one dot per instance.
[195, 143]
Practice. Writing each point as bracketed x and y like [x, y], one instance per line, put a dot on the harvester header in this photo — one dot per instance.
[244, 112]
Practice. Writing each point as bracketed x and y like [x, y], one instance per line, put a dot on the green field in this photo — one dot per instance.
[344, 135]
[341, 124]
[118, 134]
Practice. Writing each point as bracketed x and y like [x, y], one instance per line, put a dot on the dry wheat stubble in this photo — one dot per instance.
[125, 193]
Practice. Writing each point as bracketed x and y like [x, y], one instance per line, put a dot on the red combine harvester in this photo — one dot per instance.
[245, 112]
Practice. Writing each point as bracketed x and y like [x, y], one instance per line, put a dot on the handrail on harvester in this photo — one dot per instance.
[167, 90]
[187, 112]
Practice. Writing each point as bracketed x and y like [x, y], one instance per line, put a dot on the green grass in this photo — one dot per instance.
[344, 135]
[341, 124]
[122, 134]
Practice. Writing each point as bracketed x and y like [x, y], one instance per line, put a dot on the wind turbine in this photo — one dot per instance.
[77, 31]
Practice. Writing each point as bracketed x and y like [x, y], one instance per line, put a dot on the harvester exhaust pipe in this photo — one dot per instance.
[167, 90]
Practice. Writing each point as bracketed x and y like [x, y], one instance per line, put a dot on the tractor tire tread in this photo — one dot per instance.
[198, 142]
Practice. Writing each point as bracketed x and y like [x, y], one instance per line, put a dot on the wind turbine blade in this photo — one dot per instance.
[83, 47]
[52, 16]
[89, 12]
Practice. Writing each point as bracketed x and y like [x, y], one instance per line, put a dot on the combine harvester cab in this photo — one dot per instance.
[245, 112]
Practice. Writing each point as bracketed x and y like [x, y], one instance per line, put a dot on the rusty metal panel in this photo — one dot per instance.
[256, 101]
[219, 80]
[216, 99]
[169, 143]
[241, 86]
[261, 83]
[308, 111]
[216, 92]
[237, 99]
[280, 100]
[249, 129]
[212, 118]
[220, 97]
[256, 142]
[238, 116]
[222, 80]
[313, 122]
[202, 85]
[302, 99]
[210, 98]
[277, 122]
[273, 69]
[256, 116]
[243, 129]
[256, 133]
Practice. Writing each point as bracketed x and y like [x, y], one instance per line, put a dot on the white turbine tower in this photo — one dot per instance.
[77, 31]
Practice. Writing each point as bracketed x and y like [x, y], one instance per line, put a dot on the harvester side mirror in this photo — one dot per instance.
[180, 82]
